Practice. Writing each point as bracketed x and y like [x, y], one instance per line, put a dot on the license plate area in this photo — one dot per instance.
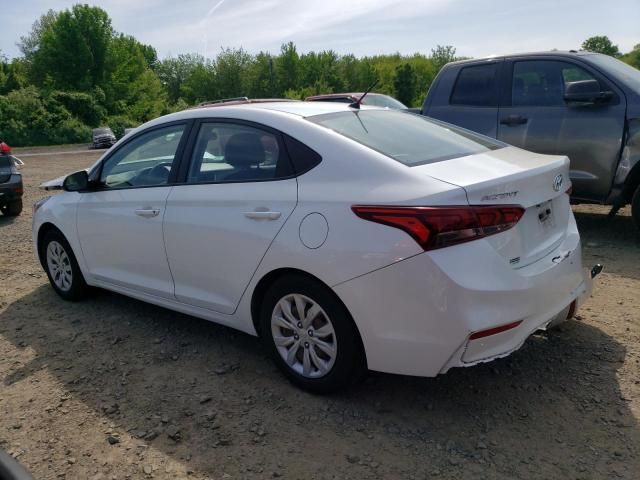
[545, 215]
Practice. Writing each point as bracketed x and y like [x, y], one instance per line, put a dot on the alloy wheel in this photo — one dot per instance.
[304, 335]
[59, 266]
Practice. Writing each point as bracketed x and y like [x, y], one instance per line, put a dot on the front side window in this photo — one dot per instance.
[476, 86]
[542, 83]
[228, 152]
[144, 161]
[409, 139]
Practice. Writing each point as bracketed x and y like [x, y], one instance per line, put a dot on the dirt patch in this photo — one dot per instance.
[115, 388]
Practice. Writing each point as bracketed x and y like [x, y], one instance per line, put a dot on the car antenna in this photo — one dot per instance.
[356, 104]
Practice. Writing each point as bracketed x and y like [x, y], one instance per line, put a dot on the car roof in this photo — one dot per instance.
[547, 53]
[341, 95]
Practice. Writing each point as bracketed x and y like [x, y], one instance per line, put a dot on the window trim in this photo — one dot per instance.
[604, 81]
[96, 173]
[185, 164]
[498, 65]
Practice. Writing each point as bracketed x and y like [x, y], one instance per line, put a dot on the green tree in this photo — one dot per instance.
[441, 55]
[174, 71]
[601, 44]
[633, 57]
[30, 43]
[405, 84]
[288, 67]
[231, 66]
[72, 50]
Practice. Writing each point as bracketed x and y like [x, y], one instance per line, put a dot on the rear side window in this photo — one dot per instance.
[409, 139]
[229, 152]
[476, 86]
[302, 157]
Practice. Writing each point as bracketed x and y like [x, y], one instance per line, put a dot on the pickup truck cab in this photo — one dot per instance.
[580, 104]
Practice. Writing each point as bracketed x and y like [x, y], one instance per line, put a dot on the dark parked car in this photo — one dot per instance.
[375, 99]
[103, 138]
[11, 188]
[580, 104]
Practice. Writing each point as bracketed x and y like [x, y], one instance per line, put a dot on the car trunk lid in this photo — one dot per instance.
[514, 176]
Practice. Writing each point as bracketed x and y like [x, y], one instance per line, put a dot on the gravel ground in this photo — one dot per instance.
[113, 388]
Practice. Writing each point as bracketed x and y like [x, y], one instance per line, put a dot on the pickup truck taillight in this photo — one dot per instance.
[438, 227]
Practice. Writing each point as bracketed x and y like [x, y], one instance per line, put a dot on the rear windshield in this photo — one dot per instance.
[383, 101]
[405, 137]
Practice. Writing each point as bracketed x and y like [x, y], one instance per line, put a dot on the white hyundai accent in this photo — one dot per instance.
[347, 238]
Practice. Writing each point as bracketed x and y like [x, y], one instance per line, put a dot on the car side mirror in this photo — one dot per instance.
[586, 92]
[76, 182]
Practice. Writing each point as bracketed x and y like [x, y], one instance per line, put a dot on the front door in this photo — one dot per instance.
[239, 192]
[539, 119]
[120, 223]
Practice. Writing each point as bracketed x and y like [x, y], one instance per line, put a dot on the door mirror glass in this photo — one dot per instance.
[585, 91]
[76, 181]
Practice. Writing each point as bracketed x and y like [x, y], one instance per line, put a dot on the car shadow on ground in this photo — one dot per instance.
[4, 220]
[155, 372]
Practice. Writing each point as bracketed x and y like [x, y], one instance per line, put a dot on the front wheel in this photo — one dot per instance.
[62, 267]
[635, 207]
[311, 335]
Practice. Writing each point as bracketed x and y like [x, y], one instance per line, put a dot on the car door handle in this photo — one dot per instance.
[147, 212]
[262, 215]
[512, 120]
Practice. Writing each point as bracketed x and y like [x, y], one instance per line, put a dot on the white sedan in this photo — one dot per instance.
[347, 238]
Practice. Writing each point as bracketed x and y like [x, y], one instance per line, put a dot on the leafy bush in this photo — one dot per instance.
[118, 123]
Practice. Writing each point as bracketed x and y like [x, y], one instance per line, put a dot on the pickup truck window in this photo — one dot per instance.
[542, 82]
[476, 86]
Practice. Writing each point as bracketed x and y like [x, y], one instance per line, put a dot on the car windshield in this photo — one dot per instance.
[383, 101]
[407, 138]
[624, 72]
[102, 131]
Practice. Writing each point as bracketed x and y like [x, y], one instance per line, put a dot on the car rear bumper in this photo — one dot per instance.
[11, 190]
[423, 310]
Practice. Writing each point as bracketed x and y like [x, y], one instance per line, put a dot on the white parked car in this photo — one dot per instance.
[347, 238]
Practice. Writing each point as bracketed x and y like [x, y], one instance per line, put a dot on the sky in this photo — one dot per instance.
[362, 27]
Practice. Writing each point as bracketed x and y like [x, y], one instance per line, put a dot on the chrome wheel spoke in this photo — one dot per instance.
[282, 322]
[320, 364]
[326, 347]
[311, 315]
[306, 363]
[323, 331]
[291, 355]
[284, 341]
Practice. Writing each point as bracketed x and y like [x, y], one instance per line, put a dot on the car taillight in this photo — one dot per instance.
[438, 227]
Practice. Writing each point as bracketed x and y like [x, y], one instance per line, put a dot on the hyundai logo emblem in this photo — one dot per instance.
[557, 182]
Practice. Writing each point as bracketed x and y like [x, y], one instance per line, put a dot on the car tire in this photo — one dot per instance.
[62, 267]
[635, 207]
[319, 351]
[13, 208]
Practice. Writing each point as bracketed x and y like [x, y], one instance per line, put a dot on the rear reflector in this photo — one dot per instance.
[438, 227]
[494, 330]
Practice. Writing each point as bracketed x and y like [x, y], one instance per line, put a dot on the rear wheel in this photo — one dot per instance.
[311, 335]
[13, 208]
[62, 267]
[635, 207]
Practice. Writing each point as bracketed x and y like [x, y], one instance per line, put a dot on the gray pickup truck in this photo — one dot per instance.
[580, 104]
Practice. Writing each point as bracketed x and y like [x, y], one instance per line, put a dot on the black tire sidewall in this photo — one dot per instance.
[349, 360]
[79, 287]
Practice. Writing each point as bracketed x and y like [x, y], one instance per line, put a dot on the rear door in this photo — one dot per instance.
[468, 96]
[536, 117]
[239, 190]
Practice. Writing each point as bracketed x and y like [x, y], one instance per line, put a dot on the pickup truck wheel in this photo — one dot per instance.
[13, 208]
[635, 207]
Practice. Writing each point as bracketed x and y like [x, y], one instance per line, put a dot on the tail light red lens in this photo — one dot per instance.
[438, 227]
